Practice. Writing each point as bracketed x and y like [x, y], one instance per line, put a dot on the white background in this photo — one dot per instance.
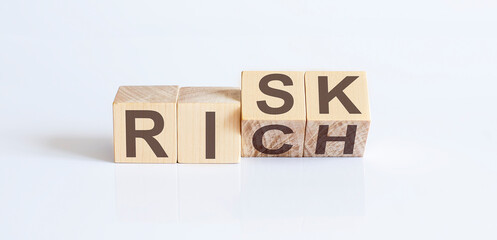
[429, 171]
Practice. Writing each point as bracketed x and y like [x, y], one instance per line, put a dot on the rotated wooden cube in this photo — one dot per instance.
[145, 124]
[273, 114]
[338, 115]
[209, 125]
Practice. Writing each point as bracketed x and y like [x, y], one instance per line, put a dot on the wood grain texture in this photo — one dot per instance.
[273, 139]
[335, 148]
[193, 104]
[161, 99]
[338, 118]
[147, 94]
[253, 118]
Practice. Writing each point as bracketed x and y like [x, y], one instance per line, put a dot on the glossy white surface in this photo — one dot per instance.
[429, 172]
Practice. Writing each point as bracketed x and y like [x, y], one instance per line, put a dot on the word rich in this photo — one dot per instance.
[275, 114]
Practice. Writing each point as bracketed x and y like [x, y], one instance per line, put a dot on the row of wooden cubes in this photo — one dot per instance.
[276, 114]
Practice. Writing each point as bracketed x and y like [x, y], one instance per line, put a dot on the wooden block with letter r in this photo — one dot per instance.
[209, 125]
[273, 114]
[145, 124]
[337, 114]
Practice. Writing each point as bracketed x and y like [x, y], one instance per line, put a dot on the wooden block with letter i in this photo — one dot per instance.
[209, 125]
[273, 114]
[337, 114]
[145, 124]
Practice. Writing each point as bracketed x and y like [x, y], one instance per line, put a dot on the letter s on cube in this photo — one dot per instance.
[273, 114]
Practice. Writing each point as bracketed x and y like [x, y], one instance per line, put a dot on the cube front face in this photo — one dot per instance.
[145, 124]
[209, 131]
[273, 114]
[335, 138]
[338, 115]
[145, 133]
[272, 138]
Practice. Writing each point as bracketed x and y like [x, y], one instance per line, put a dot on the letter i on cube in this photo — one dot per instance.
[209, 125]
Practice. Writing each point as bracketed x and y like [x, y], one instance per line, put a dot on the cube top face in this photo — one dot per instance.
[268, 95]
[345, 96]
[209, 95]
[147, 94]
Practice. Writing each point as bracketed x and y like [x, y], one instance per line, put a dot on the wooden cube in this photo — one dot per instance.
[337, 114]
[273, 114]
[209, 125]
[145, 124]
